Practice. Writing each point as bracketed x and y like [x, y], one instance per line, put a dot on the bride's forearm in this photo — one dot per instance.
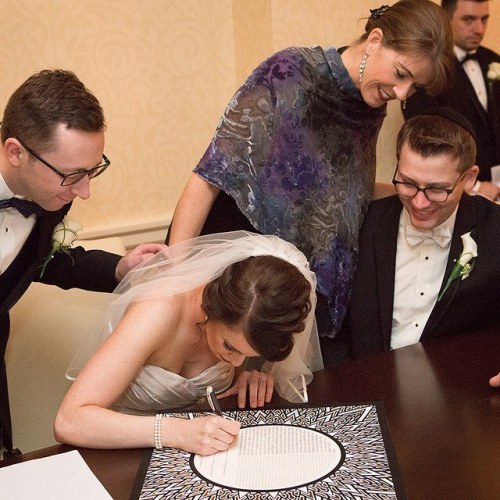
[95, 427]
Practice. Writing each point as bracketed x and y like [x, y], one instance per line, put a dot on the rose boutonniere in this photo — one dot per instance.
[64, 235]
[464, 264]
[493, 72]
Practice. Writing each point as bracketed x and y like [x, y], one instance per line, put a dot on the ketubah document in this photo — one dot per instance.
[303, 452]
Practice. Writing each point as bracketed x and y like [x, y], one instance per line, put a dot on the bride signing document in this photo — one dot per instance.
[187, 319]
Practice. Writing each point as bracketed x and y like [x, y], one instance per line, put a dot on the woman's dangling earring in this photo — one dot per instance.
[404, 104]
[362, 66]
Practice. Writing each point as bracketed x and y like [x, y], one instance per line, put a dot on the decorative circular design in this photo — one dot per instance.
[271, 458]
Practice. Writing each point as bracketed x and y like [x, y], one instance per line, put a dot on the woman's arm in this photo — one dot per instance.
[84, 418]
[192, 209]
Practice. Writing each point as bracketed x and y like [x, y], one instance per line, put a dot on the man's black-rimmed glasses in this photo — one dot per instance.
[74, 177]
[410, 190]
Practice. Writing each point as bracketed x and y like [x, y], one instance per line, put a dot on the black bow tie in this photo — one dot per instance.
[470, 57]
[24, 207]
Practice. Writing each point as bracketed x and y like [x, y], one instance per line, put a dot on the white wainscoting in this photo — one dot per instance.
[133, 234]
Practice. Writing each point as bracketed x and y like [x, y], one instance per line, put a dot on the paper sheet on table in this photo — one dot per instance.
[59, 476]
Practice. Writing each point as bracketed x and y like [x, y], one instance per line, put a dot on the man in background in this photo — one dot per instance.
[52, 144]
[475, 92]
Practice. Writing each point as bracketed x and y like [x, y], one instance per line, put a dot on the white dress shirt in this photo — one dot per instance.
[419, 273]
[14, 229]
[473, 71]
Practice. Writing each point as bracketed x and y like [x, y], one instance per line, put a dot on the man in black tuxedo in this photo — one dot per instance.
[52, 135]
[410, 242]
[473, 93]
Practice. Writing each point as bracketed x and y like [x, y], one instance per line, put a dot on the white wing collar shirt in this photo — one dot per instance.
[473, 71]
[421, 259]
[14, 229]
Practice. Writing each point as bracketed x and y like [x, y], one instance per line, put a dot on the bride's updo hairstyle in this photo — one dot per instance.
[267, 297]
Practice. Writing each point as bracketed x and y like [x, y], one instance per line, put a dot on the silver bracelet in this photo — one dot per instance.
[158, 420]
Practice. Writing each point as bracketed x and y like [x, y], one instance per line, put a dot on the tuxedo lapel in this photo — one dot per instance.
[465, 222]
[484, 62]
[463, 82]
[18, 276]
[24, 268]
[47, 225]
[385, 245]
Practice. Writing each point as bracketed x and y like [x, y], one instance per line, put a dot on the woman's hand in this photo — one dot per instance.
[203, 435]
[259, 386]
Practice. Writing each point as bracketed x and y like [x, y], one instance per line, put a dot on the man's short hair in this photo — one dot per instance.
[45, 100]
[440, 131]
[450, 6]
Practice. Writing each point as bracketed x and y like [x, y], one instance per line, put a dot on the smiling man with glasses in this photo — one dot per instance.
[51, 154]
[73, 177]
[410, 243]
[52, 135]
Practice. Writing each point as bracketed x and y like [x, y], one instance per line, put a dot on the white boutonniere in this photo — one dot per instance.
[64, 235]
[493, 72]
[464, 264]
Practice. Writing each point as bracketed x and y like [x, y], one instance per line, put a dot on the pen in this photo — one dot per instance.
[213, 402]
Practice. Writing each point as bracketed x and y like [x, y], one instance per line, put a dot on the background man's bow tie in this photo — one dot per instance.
[470, 56]
[441, 236]
[24, 207]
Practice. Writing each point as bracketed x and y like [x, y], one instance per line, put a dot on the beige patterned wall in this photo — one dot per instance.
[163, 71]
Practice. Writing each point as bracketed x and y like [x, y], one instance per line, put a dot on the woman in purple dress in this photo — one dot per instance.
[294, 152]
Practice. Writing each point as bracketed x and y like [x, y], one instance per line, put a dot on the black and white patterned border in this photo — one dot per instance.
[365, 472]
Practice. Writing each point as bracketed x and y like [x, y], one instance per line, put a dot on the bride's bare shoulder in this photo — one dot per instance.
[160, 315]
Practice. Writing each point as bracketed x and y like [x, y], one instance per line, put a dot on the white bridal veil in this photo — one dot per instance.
[194, 262]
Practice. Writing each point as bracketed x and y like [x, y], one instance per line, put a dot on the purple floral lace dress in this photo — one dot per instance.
[295, 149]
